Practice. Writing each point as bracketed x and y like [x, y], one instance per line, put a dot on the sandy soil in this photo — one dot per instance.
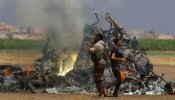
[17, 57]
[168, 70]
[22, 96]
[165, 60]
[162, 64]
[27, 58]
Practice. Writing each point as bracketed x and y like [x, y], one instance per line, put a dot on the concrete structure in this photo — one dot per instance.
[8, 31]
[150, 36]
[164, 36]
[28, 36]
[6, 28]
[137, 33]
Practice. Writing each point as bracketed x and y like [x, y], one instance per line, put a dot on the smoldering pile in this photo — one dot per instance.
[139, 75]
[140, 78]
[45, 74]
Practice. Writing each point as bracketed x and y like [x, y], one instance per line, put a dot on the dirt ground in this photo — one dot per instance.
[23, 96]
[18, 57]
[162, 60]
[162, 64]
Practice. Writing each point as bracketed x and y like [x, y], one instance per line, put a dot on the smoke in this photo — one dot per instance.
[61, 20]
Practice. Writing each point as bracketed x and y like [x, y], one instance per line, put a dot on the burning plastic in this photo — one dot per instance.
[140, 77]
[71, 72]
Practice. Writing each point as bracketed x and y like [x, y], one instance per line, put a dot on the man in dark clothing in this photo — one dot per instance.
[134, 44]
[116, 58]
[97, 51]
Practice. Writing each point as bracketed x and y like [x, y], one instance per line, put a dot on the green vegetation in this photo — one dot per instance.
[147, 44]
[21, 44]
[157, 45]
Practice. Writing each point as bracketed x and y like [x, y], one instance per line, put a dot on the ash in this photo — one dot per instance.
[43, 77]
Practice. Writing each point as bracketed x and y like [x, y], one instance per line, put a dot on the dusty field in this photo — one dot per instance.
[27, 57]
[19, 57]
[162, 60]
[22, 96]
[162, 64]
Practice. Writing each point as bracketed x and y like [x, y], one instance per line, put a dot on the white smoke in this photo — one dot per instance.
[64, 18]
[60, 18]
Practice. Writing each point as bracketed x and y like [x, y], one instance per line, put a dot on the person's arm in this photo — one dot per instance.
[94, 48]
[113, 57]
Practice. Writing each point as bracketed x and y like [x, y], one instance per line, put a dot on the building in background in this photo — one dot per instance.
[165, 36]
[8, 31]
[140, 34]
[6, 28]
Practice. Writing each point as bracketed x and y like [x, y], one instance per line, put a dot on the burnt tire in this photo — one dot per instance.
[35, 85]
[34, 88]
[15, 88]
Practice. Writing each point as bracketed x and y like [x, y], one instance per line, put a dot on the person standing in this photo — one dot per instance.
[116, 58]
[134, 44]
[97, 50]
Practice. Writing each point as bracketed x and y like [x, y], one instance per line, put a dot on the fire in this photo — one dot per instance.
[8, 72]
[67, 64]
[30, 70]
[74, 56]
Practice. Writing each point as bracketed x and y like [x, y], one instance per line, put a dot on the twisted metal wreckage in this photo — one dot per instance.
[43, 75]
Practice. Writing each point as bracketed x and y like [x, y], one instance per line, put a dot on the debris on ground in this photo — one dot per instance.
[47, 74]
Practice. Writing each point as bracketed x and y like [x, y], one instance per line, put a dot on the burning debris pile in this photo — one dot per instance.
[139, 77]
[67, 71]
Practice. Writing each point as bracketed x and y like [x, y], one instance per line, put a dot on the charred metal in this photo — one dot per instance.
[71, 72]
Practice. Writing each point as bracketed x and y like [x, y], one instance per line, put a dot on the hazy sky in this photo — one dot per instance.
[157, 15]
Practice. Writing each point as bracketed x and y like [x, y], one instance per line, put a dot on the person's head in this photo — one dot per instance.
[117, 42]
[98, 37]
[134, 37]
